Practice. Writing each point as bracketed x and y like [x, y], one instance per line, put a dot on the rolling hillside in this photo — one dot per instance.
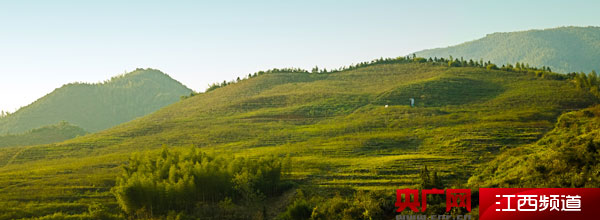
[99, 106]
[335, 126]
[565, 157]
[44, 135]
[564, 49]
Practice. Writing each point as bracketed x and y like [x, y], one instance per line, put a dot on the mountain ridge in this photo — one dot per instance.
[563, 49]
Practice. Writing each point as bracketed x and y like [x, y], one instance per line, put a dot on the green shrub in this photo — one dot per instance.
[299, 210]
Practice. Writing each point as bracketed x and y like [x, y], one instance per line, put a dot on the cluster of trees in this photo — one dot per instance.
[455, 62]
[544, 72]
[429, 179]
[214, 86]
[4, 114]
[359, 205]
[589, 82]
[180, 180]
[314, 70]
[363, 204]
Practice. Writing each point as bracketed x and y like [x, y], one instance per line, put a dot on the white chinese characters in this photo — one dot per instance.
[533, 203]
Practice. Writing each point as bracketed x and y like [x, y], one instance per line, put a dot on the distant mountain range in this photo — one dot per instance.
[98, 106]
[564, 49]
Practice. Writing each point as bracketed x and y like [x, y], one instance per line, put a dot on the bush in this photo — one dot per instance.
[299, 210]
[491, 67]
[362, 205]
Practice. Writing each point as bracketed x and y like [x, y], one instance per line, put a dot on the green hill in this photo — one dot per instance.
[44, 135]
[99, 106]
[336, 127]
[564, 49]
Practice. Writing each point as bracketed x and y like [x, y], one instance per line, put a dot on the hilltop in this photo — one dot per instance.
[98, 106]
[563, 49]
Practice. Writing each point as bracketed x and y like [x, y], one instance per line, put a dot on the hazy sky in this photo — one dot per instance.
[45, 44]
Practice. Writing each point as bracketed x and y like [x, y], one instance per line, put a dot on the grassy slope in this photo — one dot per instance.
[99, 106]
[564, 49]
[44, 135]
[565, 157]
[334, 125]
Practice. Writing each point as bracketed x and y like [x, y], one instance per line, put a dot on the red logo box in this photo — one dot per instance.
[539, 203]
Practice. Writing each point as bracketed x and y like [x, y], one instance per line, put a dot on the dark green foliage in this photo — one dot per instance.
[360, 205]
[99, 106]
[214, 86]
[589, 82]
[564, 49]
[44, 135]
[179, 181]
[429, 180]
[99, 211]
[299, 210]
[491, 67]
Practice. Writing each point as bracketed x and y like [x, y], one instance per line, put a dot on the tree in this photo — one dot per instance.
[429, 180]
[154, 185]
[491, 67]
[315, 69]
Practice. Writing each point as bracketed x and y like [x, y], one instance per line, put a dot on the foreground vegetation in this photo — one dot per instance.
[351, 136]
[194, 183]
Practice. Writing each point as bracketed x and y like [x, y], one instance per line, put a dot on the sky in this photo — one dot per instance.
[45, 44]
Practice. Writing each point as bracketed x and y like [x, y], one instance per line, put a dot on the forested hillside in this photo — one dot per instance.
[98, 106]
[345, 139]
[564, 49]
